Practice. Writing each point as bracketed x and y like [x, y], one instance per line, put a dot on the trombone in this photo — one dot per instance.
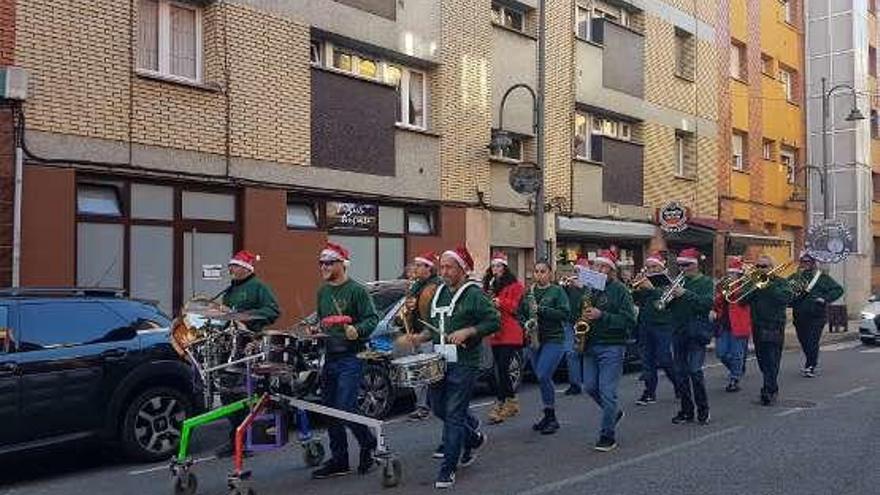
[740, 288]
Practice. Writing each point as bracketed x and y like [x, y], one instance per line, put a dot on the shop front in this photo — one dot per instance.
[586, 236]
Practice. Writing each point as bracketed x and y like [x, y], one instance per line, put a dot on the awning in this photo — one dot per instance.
[604, 228]
[739, 234]
[757, 239]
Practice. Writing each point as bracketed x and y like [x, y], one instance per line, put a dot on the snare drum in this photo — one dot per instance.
[279, 348]
[417, 370]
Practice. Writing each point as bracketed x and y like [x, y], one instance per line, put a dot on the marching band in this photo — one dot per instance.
[591, 317]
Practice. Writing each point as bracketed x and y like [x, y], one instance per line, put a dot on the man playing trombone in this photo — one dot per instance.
[769, 295]
[691, 300]
[813, 292]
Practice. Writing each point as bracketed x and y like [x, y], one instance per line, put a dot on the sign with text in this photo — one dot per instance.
[352, 216]
[673, 217]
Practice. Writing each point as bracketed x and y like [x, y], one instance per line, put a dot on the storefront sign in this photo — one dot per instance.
[673, 217]
[352, 216]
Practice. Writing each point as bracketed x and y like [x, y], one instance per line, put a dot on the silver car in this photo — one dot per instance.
[868, 330]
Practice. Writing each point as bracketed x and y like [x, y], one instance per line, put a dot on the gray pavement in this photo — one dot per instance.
[822, 438]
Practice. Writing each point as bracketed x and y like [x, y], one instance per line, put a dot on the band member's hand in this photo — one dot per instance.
[313, 329]
[820, 300]
[459, 337]
[408, 340]
[351, 333]
[411, 303]
[594, 313]
[713, 315]
[646, 284]
[533, 308]
[678, 291]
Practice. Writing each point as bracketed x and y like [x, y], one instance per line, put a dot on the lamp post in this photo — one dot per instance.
[854, 115]
[501, 138]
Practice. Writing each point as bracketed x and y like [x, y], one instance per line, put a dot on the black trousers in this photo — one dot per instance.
[809, 334]
[768, 350]
[503, 354]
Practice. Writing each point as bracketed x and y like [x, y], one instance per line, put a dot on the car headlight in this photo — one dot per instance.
[867, 315]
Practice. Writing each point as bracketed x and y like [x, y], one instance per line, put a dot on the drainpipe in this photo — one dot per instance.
[16, 220]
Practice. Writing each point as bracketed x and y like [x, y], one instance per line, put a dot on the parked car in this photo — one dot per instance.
[80, 363]
[869, 326]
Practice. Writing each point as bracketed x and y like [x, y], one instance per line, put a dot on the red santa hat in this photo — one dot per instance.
[582, 260]
[656, 258]
[607, 257]
[245, 259]
[735, 264]
[689, 255]
[499, 258]
[334, 252]
[428, 258]
[462, 257]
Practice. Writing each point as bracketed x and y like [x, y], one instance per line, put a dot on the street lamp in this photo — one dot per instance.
[854, 115]
[501, 139]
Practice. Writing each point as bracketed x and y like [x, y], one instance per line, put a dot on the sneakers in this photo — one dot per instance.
[467, 458]
[540, 425]
[438, 452]
[732, 386]
[682, 418]
[646, 399]
[421, 413]
[809, 372]
[481, 441]
[703, 417]
[573, 390]
[606, 444]
[550, 425]
[510, 408]
[367, 461]
[496, 415]
[444, 481]
[331, 469]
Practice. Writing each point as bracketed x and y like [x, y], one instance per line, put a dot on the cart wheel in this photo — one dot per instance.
[185, 483]
[391, 473]
[313, 453]
[242, 490]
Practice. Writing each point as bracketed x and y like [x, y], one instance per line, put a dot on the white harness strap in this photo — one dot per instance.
[814, 280]
[446, 311]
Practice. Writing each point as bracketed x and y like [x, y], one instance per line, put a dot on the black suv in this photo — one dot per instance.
[77, 363]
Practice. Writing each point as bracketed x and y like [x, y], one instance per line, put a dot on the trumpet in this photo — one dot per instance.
[738, 289]
[639, 279]
[669, 294]
[582, 325]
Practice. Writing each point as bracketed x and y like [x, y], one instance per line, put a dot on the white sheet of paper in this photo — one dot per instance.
[448, 351]
[592, 279]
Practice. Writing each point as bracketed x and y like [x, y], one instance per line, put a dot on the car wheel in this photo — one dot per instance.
[152, 423]
[515, 370]
[376, 395]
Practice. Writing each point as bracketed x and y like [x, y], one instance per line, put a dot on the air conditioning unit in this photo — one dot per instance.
[13, 83]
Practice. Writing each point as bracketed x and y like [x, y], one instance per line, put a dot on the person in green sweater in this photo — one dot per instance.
[810, 308]
[612, 319]
[461, 316]
[692, 332]
[550, 303]
[347, 316]
[768, 322]
[656, 328]
[418, 307]
[246, 294]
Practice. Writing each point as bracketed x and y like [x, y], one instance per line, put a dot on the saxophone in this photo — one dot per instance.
[531, 325]
[582, 325]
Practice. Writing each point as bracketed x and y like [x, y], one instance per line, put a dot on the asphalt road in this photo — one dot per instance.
[823, 437]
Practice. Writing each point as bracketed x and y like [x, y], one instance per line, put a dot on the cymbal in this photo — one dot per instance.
[235, 317]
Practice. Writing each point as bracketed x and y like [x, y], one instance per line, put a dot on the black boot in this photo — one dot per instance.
[540, 425]
[551, 425]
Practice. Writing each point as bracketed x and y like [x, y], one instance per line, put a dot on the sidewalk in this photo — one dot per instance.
[791, 341]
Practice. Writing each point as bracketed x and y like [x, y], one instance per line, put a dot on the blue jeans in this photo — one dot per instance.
[658, 355]
[572, 358]
[341, 379]
[603, 366]
[450, 400]
[689, 356]
[544, 363]
[731, 352]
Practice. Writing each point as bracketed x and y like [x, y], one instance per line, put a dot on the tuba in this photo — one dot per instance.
[582, 325]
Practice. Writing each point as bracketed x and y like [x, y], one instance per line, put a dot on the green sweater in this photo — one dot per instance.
[575, 299]
[473, 309]
[808, 306]
[694, 304]
[252, 296]
[553, 312]
[349, 299]
[649, 315]
[618, 315]
[768, 304]
[416, 292]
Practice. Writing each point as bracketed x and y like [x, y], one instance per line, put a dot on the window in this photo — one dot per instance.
[582, 136]
[767, 64]
[767, 146]
[512, 152]
[302, 215]
[170, 39]
[788, 78]
[508, 17]
[872, 61]
[420, 223]
[582, 26]
[685, 154]
[612, 128]
[788, 158]
[788, 11]
[316, 54]
[69, 323]
[98, 199]
[738, 146]
[684, 54]
[738, 61]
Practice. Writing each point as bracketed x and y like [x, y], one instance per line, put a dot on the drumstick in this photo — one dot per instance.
[432, 327]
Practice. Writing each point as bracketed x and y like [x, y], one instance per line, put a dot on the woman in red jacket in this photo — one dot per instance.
[506, 292]
[734, 322]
